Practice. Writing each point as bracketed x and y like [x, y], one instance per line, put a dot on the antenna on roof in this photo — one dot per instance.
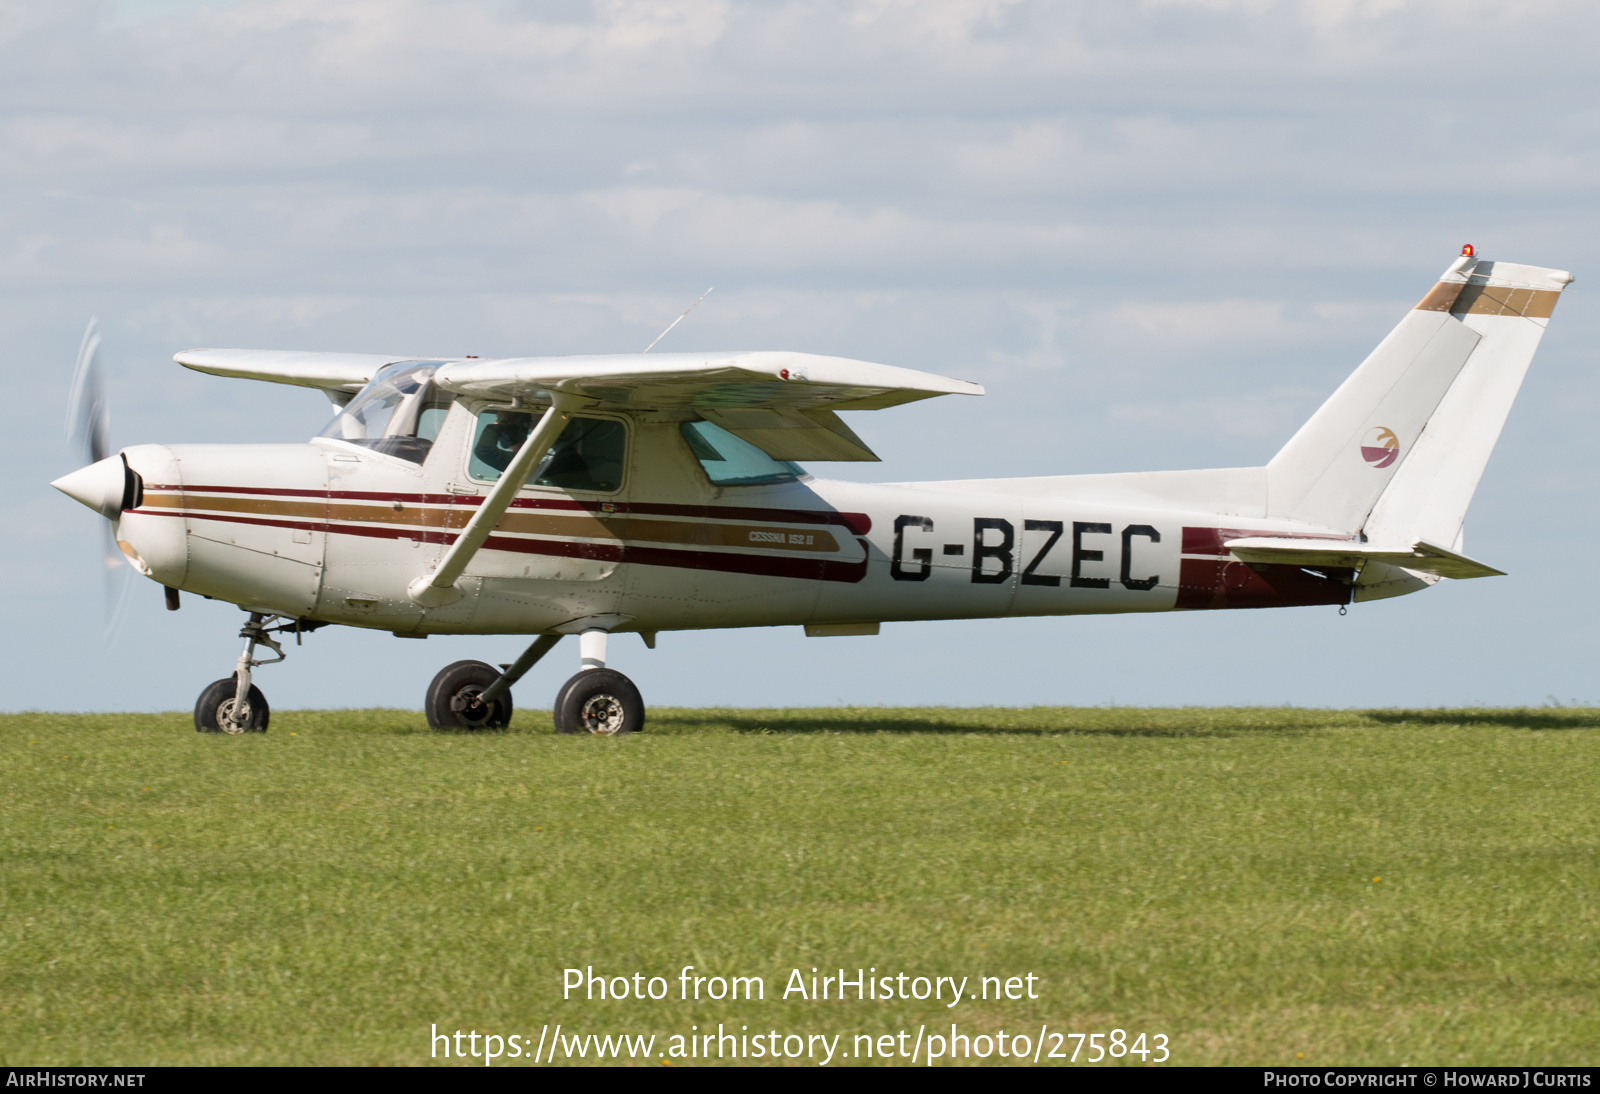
[678, 320]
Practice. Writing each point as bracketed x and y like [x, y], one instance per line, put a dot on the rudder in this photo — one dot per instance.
[1509, 306]
[1409, 432]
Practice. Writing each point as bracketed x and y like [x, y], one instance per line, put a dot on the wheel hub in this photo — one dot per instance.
[469, 707]
[602, 715]
[226, 720]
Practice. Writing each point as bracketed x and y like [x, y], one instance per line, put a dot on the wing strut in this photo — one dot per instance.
[436, 589]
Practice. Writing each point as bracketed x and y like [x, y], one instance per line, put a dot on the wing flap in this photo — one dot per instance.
[1351, 554]
[787, 434]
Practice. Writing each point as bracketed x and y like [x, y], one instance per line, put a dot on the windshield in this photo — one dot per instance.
[399, 413]
[733, 461]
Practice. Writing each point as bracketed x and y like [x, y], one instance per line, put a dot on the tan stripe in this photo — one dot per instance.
[563, 525]
[269, 507]
[569, 525]
[313, 509]
[1496, 300]
[725, 535]
[646, 530]
[1441, 297]
[162, 501]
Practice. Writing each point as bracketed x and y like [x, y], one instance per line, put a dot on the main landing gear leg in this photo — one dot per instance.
[598, 700]
[234, 704]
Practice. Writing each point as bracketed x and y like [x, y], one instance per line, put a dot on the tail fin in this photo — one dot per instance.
[1398, 450]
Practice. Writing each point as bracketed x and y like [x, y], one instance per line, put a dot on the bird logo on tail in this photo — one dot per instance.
[1381, 447]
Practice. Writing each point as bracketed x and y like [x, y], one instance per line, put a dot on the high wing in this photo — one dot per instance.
[1422, 556]
[783, 403]
[340, 375]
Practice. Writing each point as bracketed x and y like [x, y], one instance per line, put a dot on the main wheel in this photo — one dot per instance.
[453, 703]
[599, 701]
[213, 712]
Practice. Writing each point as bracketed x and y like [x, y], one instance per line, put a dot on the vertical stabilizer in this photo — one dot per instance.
[1509, 307]
[1424, 409]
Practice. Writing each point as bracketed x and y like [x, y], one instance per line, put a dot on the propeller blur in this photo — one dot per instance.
[99, 486]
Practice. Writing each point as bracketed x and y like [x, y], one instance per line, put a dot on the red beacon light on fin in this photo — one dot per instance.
[1468, 251]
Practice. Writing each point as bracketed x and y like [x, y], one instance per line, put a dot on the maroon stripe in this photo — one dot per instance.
[765, 565]
[1209, 541]
[600, 552]
[1210, 584]
[822, 569]
[348, 495]
[676, 558]
[858, 523]
[371, 531]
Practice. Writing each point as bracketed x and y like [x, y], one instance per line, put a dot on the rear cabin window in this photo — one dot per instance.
[733, 461]
[588, 455]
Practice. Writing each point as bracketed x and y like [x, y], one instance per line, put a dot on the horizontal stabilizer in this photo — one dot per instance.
[1352, 554]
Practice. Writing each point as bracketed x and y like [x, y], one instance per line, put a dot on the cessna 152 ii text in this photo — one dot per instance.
[594, 496]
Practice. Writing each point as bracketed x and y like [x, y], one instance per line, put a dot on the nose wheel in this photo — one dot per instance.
[219, 710]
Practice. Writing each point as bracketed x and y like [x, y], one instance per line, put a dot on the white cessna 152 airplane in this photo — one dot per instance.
[593, 496]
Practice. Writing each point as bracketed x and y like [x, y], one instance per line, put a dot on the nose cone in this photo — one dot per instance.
[100, 486]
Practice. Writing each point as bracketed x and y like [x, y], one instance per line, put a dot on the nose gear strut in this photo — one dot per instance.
[234, 704]
[255, 633]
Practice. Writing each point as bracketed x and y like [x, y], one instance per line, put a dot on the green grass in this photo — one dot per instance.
[325, 892]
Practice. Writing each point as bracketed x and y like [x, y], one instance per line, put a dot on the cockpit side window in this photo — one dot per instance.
[589, 454]
[398, 413]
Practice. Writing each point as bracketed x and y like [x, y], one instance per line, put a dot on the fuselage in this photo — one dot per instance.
[335, 531]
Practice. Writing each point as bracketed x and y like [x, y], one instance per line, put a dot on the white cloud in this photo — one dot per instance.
[744, 231]
[45, 146]
[1273, 414]
[1198, 323]
[1361, 311]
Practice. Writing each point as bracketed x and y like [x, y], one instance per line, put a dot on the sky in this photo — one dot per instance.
[1159, 232]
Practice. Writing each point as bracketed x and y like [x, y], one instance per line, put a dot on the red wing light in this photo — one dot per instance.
[783, 373]
[1467, 251]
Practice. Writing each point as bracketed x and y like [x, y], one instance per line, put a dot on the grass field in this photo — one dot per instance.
[1260, 885]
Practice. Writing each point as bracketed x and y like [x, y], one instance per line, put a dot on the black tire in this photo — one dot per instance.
[450, 702]
[216, 702]
[599, 701]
